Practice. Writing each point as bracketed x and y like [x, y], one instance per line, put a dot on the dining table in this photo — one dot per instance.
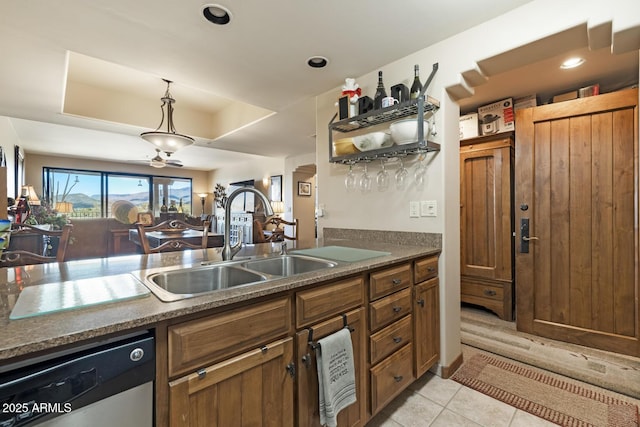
[157, 238]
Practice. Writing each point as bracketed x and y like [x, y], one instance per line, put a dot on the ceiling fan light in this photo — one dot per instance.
[572, 63]
[168, 141]
[157, 163]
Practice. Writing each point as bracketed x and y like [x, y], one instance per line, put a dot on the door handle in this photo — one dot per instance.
[524, 236]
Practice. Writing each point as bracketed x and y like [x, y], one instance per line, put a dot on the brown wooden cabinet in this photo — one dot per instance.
[390, 307]
[307, 377]
[322, 311]
[254, 388]
[238, 367]
[426, 315]
[487, 223]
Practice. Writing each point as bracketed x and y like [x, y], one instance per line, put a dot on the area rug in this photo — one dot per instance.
[552, 397]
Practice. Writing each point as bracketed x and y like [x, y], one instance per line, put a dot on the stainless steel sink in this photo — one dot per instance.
[288, 265]
[177, 283]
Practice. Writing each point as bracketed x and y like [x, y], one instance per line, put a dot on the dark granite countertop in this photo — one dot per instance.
[41, 333]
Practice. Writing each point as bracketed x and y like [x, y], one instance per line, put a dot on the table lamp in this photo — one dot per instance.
[278, 207]
[203, 197]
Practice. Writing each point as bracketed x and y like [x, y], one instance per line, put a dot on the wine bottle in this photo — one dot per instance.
[380, 93]
[172, 206]
[163, 208]
[416, 87]
[180, 206]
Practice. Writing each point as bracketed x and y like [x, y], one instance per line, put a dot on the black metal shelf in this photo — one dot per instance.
[415, 107]
[376, 117]
[387, 153]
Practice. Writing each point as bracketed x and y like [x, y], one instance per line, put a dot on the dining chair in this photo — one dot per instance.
[173, 228]
[278, 233]
[293, 225]
[47, 241]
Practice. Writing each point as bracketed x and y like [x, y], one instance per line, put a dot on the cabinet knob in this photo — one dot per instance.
[398, 378]
[420, 302]
[397, 340]
[397, 309]
[396, 281]
[489, 292]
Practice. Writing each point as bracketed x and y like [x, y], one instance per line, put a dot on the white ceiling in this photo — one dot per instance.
[258, 59]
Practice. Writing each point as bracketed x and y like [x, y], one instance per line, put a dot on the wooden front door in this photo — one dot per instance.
[577, 186]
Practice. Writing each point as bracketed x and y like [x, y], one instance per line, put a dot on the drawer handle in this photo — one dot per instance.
[398, 378]
[396, 281]
[397, 340]
[420, 302]
[490, 293]
[397, 309]
[431, 269]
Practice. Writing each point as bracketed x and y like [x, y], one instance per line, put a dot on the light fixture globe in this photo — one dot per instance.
[168, 141]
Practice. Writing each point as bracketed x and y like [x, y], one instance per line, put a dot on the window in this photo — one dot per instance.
[96, 194]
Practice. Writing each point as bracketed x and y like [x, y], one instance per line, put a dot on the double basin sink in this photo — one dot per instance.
[177, 283]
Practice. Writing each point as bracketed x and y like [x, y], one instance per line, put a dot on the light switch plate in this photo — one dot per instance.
[428, 208]
[414, 209]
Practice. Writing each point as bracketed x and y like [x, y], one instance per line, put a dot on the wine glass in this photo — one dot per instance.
[401, 176]
[365, 181]
[350, 179]
[382, 178]
[420, 172]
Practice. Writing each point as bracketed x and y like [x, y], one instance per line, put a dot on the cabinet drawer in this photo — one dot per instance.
[389, 280]
[329, 300]
[194, 343]
[426, 269]
[389, 309]
[390, 339]
[482, 290]
[390, 377]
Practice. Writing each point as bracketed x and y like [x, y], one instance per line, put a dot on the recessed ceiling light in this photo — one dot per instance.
[572, 63]
[216, 14]
[317, 62]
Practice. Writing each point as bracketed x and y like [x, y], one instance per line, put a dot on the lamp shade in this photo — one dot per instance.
[64, 207]
[30, 193]
[278, 207]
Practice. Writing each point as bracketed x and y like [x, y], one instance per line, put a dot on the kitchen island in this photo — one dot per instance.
[41, 334]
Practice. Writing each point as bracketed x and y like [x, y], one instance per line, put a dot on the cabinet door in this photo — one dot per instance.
[486, 213]
[308, 414]
[252, 389]
[427, 326]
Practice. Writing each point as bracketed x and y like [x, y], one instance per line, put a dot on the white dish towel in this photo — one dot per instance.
[336, 375]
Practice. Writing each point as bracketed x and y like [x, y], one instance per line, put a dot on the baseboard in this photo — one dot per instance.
[448, 371]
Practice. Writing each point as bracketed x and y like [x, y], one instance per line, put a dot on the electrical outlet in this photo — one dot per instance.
[414, 209]
[428, 208]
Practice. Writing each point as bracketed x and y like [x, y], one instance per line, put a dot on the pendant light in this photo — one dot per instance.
[168, 141]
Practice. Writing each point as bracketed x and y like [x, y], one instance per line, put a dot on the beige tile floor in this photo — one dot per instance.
[432, 401]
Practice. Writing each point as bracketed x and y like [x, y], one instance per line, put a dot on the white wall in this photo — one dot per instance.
[8, 140]
[389, 210]
[258, 170]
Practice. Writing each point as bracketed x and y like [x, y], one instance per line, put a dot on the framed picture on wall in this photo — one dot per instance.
[304, 188]
[275, 190]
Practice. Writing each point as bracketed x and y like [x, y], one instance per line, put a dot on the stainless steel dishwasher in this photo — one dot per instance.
[106, 383]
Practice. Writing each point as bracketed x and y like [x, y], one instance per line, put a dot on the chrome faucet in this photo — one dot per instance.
[229, 251]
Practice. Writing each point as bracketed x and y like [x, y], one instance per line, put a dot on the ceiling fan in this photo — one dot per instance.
[159, 162]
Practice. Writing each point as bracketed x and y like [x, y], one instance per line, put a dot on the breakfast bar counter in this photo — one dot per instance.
[42, 333]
